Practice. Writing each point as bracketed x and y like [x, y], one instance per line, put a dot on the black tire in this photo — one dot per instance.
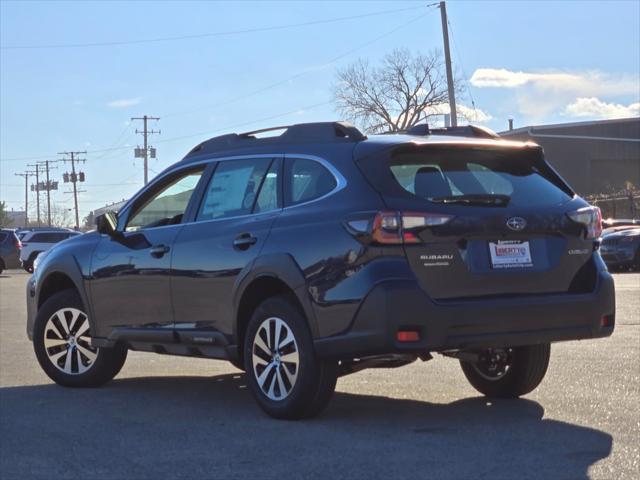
[28, 264]
[107, 363]
[1, 265]
[528, 366]
[316, 379]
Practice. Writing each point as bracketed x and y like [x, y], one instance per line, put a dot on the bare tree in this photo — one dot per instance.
[397, 95]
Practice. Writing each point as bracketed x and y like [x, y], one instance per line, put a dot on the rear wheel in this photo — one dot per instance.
[62, 343]
[509, 372]
[285, 376]
[28, 264]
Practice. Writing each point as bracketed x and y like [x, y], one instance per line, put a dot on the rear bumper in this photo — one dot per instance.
[489, 322]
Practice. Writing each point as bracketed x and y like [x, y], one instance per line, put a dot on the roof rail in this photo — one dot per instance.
[300, 133]
[464, 131]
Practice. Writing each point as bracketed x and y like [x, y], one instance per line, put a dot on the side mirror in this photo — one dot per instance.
[107, 223]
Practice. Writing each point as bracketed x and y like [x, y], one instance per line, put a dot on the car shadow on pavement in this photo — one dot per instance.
[205, 427]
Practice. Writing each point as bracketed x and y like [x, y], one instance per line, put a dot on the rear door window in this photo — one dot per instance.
[40, 238]
[3, 237]
[306, 180]
[269, 196]
[475, 176]
[234, 188]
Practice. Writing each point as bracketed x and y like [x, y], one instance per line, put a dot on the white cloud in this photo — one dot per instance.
[123, 103]
[473, 114]
[594, 107]
[540, 96]
[470, 114]
[589, 83]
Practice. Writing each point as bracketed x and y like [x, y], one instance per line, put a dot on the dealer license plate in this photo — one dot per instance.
[510, 254]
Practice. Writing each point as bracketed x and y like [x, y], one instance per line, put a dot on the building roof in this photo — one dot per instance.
[563, 126]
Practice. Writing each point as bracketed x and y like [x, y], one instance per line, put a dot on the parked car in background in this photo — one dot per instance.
[39, 240]
[620, 222]
[620, 248]
[9, 250]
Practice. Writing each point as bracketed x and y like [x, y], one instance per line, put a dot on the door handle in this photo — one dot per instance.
[158, 251]
[244, 241]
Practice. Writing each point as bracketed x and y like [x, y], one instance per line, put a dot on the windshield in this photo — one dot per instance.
[476, 177]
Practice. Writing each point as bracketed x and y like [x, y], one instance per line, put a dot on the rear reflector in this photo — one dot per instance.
[607, 321]
[408, 336]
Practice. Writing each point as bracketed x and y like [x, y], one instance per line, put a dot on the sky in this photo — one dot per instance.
[72, 74]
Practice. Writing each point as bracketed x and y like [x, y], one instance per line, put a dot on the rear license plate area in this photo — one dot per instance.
[510, 254]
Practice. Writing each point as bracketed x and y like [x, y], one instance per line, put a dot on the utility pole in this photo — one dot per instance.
[26, 176]
[48, 187]
[37, 190]
[144, 152]
[74, 177]
[447, 59]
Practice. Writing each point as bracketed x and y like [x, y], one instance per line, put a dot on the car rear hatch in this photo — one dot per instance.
[486, 219]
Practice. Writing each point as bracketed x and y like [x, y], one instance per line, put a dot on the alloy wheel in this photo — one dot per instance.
[494, 364]
[275, 358]
[67, 341]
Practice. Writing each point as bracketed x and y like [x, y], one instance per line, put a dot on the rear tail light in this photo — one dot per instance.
[18, 245]
[591, 218]
[403, 227]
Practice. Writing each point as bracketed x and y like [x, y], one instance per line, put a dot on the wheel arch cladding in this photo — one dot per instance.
[260, 289]
[53, 283]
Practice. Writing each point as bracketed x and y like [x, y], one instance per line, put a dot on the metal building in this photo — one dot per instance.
[595, 157]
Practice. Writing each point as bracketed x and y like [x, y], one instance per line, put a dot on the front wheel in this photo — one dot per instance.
[285, 376]
[62, 343]
[508, 372]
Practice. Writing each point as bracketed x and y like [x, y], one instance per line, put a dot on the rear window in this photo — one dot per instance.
[3, 236]
[474, 176]
[49, 237]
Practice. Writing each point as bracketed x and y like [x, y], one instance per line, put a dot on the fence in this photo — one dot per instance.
[617, 206]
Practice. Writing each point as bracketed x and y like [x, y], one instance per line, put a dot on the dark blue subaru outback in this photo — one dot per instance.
[320, 252]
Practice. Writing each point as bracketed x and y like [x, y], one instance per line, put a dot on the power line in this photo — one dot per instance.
[146, 150]
[74, 177]
[37, 190]
[464, 73]
[210, 34]
[299, 74]
[26, 176]
[242, 97]
[48, 186]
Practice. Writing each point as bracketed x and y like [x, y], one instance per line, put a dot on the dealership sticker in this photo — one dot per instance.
[510, 254]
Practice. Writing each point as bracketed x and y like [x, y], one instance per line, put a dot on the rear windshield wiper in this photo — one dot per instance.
[495, 200]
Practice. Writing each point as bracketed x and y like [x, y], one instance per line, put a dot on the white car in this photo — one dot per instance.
[40, 240]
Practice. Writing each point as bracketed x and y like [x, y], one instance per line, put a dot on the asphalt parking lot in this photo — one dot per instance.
[170, 417]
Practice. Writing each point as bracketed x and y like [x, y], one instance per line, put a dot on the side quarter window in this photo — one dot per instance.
[306, 180]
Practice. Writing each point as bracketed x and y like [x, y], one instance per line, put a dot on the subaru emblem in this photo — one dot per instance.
[516, 223]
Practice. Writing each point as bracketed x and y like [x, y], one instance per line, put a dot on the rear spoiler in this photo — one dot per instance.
[474, 131]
